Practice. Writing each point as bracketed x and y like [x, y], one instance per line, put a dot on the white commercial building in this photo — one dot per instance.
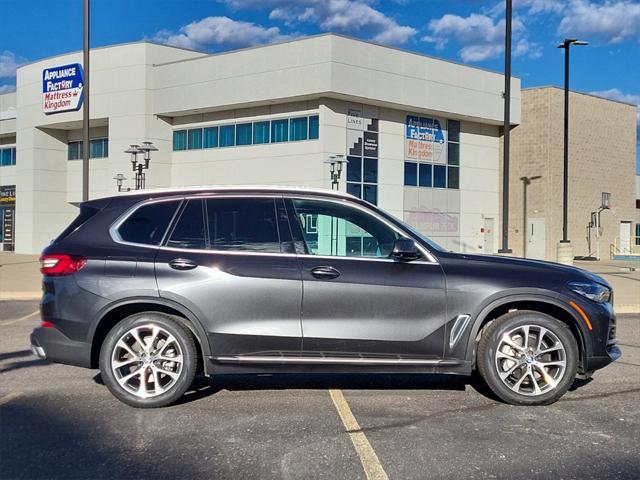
[421, 134]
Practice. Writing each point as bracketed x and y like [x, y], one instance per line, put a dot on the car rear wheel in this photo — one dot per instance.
[528, 358]
[148, 360]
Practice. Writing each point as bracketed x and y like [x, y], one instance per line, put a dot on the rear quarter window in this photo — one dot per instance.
[83, 216]
[148, 224]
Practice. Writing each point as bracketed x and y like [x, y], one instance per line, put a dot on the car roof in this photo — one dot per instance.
[156, 192]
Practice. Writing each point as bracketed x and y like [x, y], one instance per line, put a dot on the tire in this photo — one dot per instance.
[514, 373]
[169, 360]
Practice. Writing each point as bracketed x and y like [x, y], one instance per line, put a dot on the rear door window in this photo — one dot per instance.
[245, 224]
[189, 231]
[148, 224]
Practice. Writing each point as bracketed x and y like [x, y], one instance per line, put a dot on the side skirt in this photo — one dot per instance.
[248, 364]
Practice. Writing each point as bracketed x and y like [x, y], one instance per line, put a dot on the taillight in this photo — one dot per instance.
[59, 264]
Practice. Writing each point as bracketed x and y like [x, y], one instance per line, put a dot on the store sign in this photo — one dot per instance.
[7, 195]
[62, 88]
[424, 139]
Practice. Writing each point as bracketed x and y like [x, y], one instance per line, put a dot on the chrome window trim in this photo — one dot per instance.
[332, 360]
[430, 259]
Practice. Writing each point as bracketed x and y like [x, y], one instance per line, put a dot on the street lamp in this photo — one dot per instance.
[526, 181]
[120, 178]
[336, 166]
[504, 248]
[565, 193]
[138, 167]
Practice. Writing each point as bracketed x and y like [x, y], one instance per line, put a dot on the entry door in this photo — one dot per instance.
[536, 238]
[357, 300]
[625, 237]
[234, 275]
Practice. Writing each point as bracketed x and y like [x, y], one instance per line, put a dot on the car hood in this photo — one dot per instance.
[569, 272]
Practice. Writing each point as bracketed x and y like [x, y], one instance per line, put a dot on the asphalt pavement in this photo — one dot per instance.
[59, 421]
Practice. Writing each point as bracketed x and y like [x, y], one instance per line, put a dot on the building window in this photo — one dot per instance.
[411, 174]
[314, 127]
[299, 128]
[180, 140]
[227, 135]
[431, 175]
[243, 134]
[194, 141]
[210, 137]
[261, 132]
[7, 157]
[256, 133]
[98, 148]
[279, 131]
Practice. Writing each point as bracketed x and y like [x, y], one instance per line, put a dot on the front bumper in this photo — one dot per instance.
[53, 345]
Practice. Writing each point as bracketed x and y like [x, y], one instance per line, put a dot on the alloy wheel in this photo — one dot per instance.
[147, 361]
[530, 360]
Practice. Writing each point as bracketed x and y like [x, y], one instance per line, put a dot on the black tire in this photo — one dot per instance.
[510, 324]
[179, 376]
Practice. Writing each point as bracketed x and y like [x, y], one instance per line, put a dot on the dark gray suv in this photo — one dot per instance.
[153, 287]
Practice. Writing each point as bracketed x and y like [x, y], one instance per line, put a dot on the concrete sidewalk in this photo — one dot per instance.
[20, 279]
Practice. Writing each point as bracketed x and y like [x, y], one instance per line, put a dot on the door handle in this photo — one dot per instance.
[182, 264]
[325, 273]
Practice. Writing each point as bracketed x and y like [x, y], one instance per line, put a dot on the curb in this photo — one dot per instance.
[15, 296]
[626, 309]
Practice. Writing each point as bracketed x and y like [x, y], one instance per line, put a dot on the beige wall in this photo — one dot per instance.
[602, 157]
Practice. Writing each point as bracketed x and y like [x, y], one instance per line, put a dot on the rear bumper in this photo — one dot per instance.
[53, 345]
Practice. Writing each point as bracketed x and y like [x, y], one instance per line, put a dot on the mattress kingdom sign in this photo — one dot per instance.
[62, 88]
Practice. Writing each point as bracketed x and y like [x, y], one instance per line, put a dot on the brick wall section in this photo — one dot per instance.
[602, 157]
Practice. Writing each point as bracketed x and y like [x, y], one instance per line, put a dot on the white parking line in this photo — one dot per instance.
[372, 467]
[19, 319]
[8, 397]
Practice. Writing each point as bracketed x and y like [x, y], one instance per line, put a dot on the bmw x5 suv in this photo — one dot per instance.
[153, 287]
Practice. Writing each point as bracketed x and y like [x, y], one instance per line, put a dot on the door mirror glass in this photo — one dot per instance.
[405, 249]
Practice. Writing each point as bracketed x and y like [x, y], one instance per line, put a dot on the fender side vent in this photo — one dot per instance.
[458, 328]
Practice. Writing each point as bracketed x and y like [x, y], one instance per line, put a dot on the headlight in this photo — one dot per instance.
[593, 291]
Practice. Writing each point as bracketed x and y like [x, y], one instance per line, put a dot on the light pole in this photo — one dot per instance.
[565, 254]
[526, 181]
[85, 108]
[336, 166]
[138, 167]
[507, 130]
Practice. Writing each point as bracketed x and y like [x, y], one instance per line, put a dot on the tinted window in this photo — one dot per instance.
[243, 134]
[247, 224]
[410, 173]
[148, 223]
[210, 137]
[338, 230]
[189, 230]
[314, 127]
[279, 131]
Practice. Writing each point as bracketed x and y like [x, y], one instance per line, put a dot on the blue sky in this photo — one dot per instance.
[469, 31]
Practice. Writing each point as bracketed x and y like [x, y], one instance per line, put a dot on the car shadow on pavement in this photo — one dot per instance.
[18, 360]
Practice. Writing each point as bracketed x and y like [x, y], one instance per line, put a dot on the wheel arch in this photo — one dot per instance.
[117, 311]
[537, 303]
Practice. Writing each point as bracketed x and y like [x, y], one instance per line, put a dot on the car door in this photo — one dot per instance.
[226, 260]
[357, 300]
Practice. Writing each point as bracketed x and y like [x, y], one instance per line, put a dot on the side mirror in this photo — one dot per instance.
[405, 249]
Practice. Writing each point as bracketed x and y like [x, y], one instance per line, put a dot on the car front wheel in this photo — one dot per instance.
[528, 358]
[148, 360]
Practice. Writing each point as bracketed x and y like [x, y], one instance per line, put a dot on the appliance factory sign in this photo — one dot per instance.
[62, 88]
[424, 139]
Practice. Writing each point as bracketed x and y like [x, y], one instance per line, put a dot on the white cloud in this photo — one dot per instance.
[9, 62]
[219, 31]
[617, 94]
[609, 22]
[355, 17]
[480, 36]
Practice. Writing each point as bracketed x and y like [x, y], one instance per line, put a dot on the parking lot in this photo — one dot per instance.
[61, 422]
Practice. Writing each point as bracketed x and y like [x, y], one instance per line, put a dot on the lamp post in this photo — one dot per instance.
[138, 167]
[526, 181]
[565, 253]
[504, 249]
[336, 166]
[85, 108]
